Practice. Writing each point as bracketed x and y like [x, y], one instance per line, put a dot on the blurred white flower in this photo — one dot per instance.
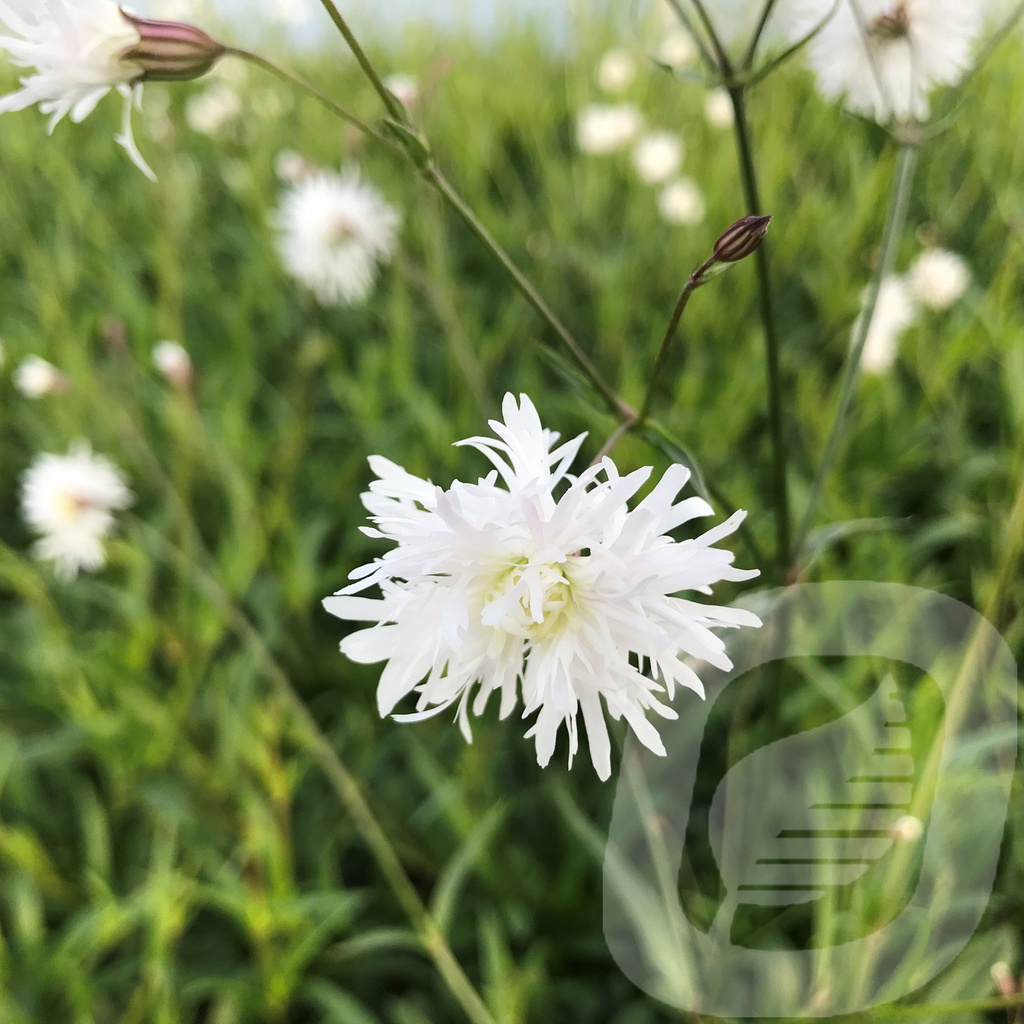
[535, 579]
[616, 71]
[291, 166]
[907, 829]
[173, 363]
[938, 278]
[894, 313]
[214, 109]
[36, 378]
[718, 109]
[70, 500]
[677, 49]
[682, 202]
[884, 57]
[606, 128]
[76, 49]
[657, 157]
[333, 231]
[405, 87]
[81, 49]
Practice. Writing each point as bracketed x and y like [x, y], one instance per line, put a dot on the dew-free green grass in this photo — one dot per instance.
[170, 847]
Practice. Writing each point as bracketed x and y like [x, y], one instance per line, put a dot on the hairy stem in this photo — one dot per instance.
[751, 192]
[895, 220]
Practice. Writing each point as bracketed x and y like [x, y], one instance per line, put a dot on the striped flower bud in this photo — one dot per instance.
[171, 51]
[739, 240]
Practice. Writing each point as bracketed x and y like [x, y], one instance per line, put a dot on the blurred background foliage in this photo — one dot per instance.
[169, 850]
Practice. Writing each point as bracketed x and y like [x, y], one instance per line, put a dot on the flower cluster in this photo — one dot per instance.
[536, 583]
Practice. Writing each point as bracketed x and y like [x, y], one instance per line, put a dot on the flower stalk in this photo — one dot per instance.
[895, 220]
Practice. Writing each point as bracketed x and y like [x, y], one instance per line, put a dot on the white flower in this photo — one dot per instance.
[70, 500]
[173, 363]
[657, 157]
[537, 580]
[616, 71]
[214, 109]
[718, 109]
[677, 49]
[77, 50]
[681, 202]
[405, 87]
[884, 57]
[36, 378]
[603, 128]
[894, 313]
[939, 278]
[333, 230]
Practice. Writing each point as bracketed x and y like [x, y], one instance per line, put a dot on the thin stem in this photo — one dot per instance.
[299, 82]
[438, 181]
[695, 280]
[394, 108]
[616, 436]
[748, 58]
[529, 292]
[748, 175]
[345, 787]
[705, 53]
[724, 64]
[895, 220]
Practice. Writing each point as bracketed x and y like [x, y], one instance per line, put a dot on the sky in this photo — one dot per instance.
[304, 20]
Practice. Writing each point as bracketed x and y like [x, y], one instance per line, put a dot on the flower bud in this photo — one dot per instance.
[170, 51]
[741, 239]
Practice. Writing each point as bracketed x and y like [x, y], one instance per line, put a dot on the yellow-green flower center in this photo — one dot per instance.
[529, 600]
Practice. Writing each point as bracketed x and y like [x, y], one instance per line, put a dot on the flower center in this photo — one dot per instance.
[340, 231]
[528, 600]
[70, 506]
[895, 24]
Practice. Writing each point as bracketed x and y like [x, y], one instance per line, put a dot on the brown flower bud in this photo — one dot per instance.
[738, 241]
[171, 51]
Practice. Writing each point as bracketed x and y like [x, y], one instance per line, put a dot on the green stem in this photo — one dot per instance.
[695, 280]
[724, 64]
[439, 182]
[394, 108]
[301, 83]
[529, 292]
[751, 192]
[755, 39]
[345, 787]
[895, 220]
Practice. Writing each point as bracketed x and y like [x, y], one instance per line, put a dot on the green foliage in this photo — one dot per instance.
[169, 850]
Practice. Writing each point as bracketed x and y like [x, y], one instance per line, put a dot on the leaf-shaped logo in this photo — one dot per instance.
[813, 811]
[809, 819]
